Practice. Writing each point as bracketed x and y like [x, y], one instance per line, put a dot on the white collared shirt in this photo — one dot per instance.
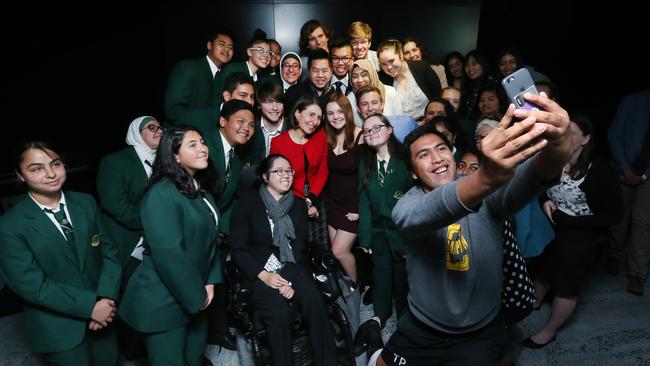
[226, 147]
[386, 159]
[269, 135]
[214, 68]
[344, 83]
[55, 209]
[250, 72]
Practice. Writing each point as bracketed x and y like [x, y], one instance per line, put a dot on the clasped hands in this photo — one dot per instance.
[103, 313]
[275, 281]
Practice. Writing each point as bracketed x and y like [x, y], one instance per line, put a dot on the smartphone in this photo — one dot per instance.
[518, 83]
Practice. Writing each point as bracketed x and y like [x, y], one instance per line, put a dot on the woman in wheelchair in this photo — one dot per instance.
[268, 236]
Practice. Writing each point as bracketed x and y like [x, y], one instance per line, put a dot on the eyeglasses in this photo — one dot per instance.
[344, 60]
[373, 130]
[281, 172]
[262, 51]
[291, 66]
[154, 128]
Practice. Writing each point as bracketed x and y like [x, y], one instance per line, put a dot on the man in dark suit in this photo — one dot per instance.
[342, 58]
[191, 82]
[317, 84]
[235, 127]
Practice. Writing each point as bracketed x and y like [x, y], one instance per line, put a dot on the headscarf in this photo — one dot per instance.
[296, 57]
[283, 232]
[134, 138]
[374, 78]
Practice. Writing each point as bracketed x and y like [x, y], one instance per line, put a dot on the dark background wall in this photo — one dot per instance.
[93, 68]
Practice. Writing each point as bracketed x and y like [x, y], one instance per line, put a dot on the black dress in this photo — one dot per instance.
[341, 194]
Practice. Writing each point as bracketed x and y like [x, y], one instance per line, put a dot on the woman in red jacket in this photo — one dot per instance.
[305, 145]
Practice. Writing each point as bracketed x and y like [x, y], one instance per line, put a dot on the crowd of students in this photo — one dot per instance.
[418, 165]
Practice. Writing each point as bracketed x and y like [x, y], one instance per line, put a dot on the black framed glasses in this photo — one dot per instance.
[372, 130]
[281, 172]
[154, 128]
[262, 51]
[291, 66]
[344, 60]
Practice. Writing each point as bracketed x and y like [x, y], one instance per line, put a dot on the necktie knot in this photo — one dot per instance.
[338, 85]
[62, 219]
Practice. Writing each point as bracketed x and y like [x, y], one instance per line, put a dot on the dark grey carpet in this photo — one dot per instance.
[609, 327]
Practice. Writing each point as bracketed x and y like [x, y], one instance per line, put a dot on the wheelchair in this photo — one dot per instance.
[327, 274]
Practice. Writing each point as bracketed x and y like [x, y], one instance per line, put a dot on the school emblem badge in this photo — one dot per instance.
[94, 241]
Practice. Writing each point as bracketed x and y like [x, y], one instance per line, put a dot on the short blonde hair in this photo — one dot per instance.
[361, 30]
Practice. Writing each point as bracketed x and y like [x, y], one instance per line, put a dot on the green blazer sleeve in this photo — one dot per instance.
[365, 214]
[190, 85]
[108, 285]
[164, 228]
[120, 184]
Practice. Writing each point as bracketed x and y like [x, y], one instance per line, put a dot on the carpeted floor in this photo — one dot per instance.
[609, 327]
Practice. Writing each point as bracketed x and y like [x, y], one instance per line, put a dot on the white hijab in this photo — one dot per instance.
[134, 138]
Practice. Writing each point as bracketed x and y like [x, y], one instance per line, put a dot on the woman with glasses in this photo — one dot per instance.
[290, 69]
[258, 53]
[166, 296]
[344, 139]
[383, 179]
[305, 145]
[55, 254]
[267, 246]
[121, 179]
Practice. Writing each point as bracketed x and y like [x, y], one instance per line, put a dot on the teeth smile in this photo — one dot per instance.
[442, 169]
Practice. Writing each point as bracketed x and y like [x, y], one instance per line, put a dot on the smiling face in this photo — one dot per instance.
[360, 78]
[455, 67]
[193, 153]
[507, 64]
[370, 103]
[473, 69]
[375, 132]
[433, 163]
[238, 128]
[151, 134]
[42, 171]
[291, 70]
[335, 115]
[309, 118]
[390, 62]
[279, 184]
[412, 52]
[220, 50]
[277, 55]
[259, 54]
[318, 39]
[360, 47]
[320, 73]
[244, 92]
[488, 102]
[341, 60]
[272, 110]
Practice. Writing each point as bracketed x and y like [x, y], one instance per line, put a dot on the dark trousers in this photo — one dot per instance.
[276, 314]
[389, 273]
[97, 348]
[218, 309]
[414, 344]
[130, 342]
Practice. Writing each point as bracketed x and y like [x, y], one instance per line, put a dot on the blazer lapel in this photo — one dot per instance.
[80, 227]
[42, 224]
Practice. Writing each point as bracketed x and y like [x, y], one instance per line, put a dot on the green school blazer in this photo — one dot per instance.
[190, 85]
[376, 203]
[225, 194]
[180, 258]
[60, 290]
[120, 185]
